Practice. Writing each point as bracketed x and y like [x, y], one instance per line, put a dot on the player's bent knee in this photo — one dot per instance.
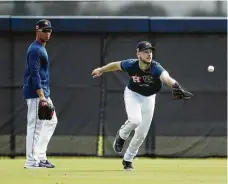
[135, 121]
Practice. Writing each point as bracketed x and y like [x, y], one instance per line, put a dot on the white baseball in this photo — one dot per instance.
[210, 68]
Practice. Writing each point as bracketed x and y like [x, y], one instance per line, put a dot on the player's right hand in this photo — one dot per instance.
[97, 72]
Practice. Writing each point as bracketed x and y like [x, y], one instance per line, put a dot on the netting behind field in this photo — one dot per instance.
[90, 110]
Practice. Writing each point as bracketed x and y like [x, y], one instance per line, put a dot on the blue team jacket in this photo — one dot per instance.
[36, 75]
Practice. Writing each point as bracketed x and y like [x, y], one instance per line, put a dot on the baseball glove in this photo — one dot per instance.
[179, 93]
[45, 110]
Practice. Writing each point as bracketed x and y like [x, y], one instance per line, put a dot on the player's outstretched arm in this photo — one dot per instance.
[178, 91]
[166, 79]
[111, 67]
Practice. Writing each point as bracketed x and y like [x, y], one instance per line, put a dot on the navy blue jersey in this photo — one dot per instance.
[143, 82]
[36, 74]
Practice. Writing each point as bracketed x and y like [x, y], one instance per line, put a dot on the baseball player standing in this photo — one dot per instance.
[35, 89]
[146, 79]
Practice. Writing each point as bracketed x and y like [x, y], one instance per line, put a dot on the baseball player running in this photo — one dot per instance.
[146, 79]
[36, 91]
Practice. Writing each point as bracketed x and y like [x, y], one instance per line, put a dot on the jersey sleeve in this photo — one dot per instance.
[157, 69]
[34, 68]
[126, 64]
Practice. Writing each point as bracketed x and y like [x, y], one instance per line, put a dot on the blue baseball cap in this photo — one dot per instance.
[43, 24]
[143, 45]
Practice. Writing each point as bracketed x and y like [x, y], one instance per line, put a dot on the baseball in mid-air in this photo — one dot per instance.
[210, 68]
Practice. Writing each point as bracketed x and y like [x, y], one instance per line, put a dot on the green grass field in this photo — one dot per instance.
[109, 171]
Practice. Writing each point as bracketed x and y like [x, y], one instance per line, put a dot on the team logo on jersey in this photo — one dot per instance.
[147, 79]
[136, 78]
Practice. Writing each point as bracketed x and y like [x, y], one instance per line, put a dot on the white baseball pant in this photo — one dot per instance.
[39, 133]
[140, 110]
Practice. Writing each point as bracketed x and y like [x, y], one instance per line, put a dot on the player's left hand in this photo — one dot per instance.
[179, 93]
[97, 72]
